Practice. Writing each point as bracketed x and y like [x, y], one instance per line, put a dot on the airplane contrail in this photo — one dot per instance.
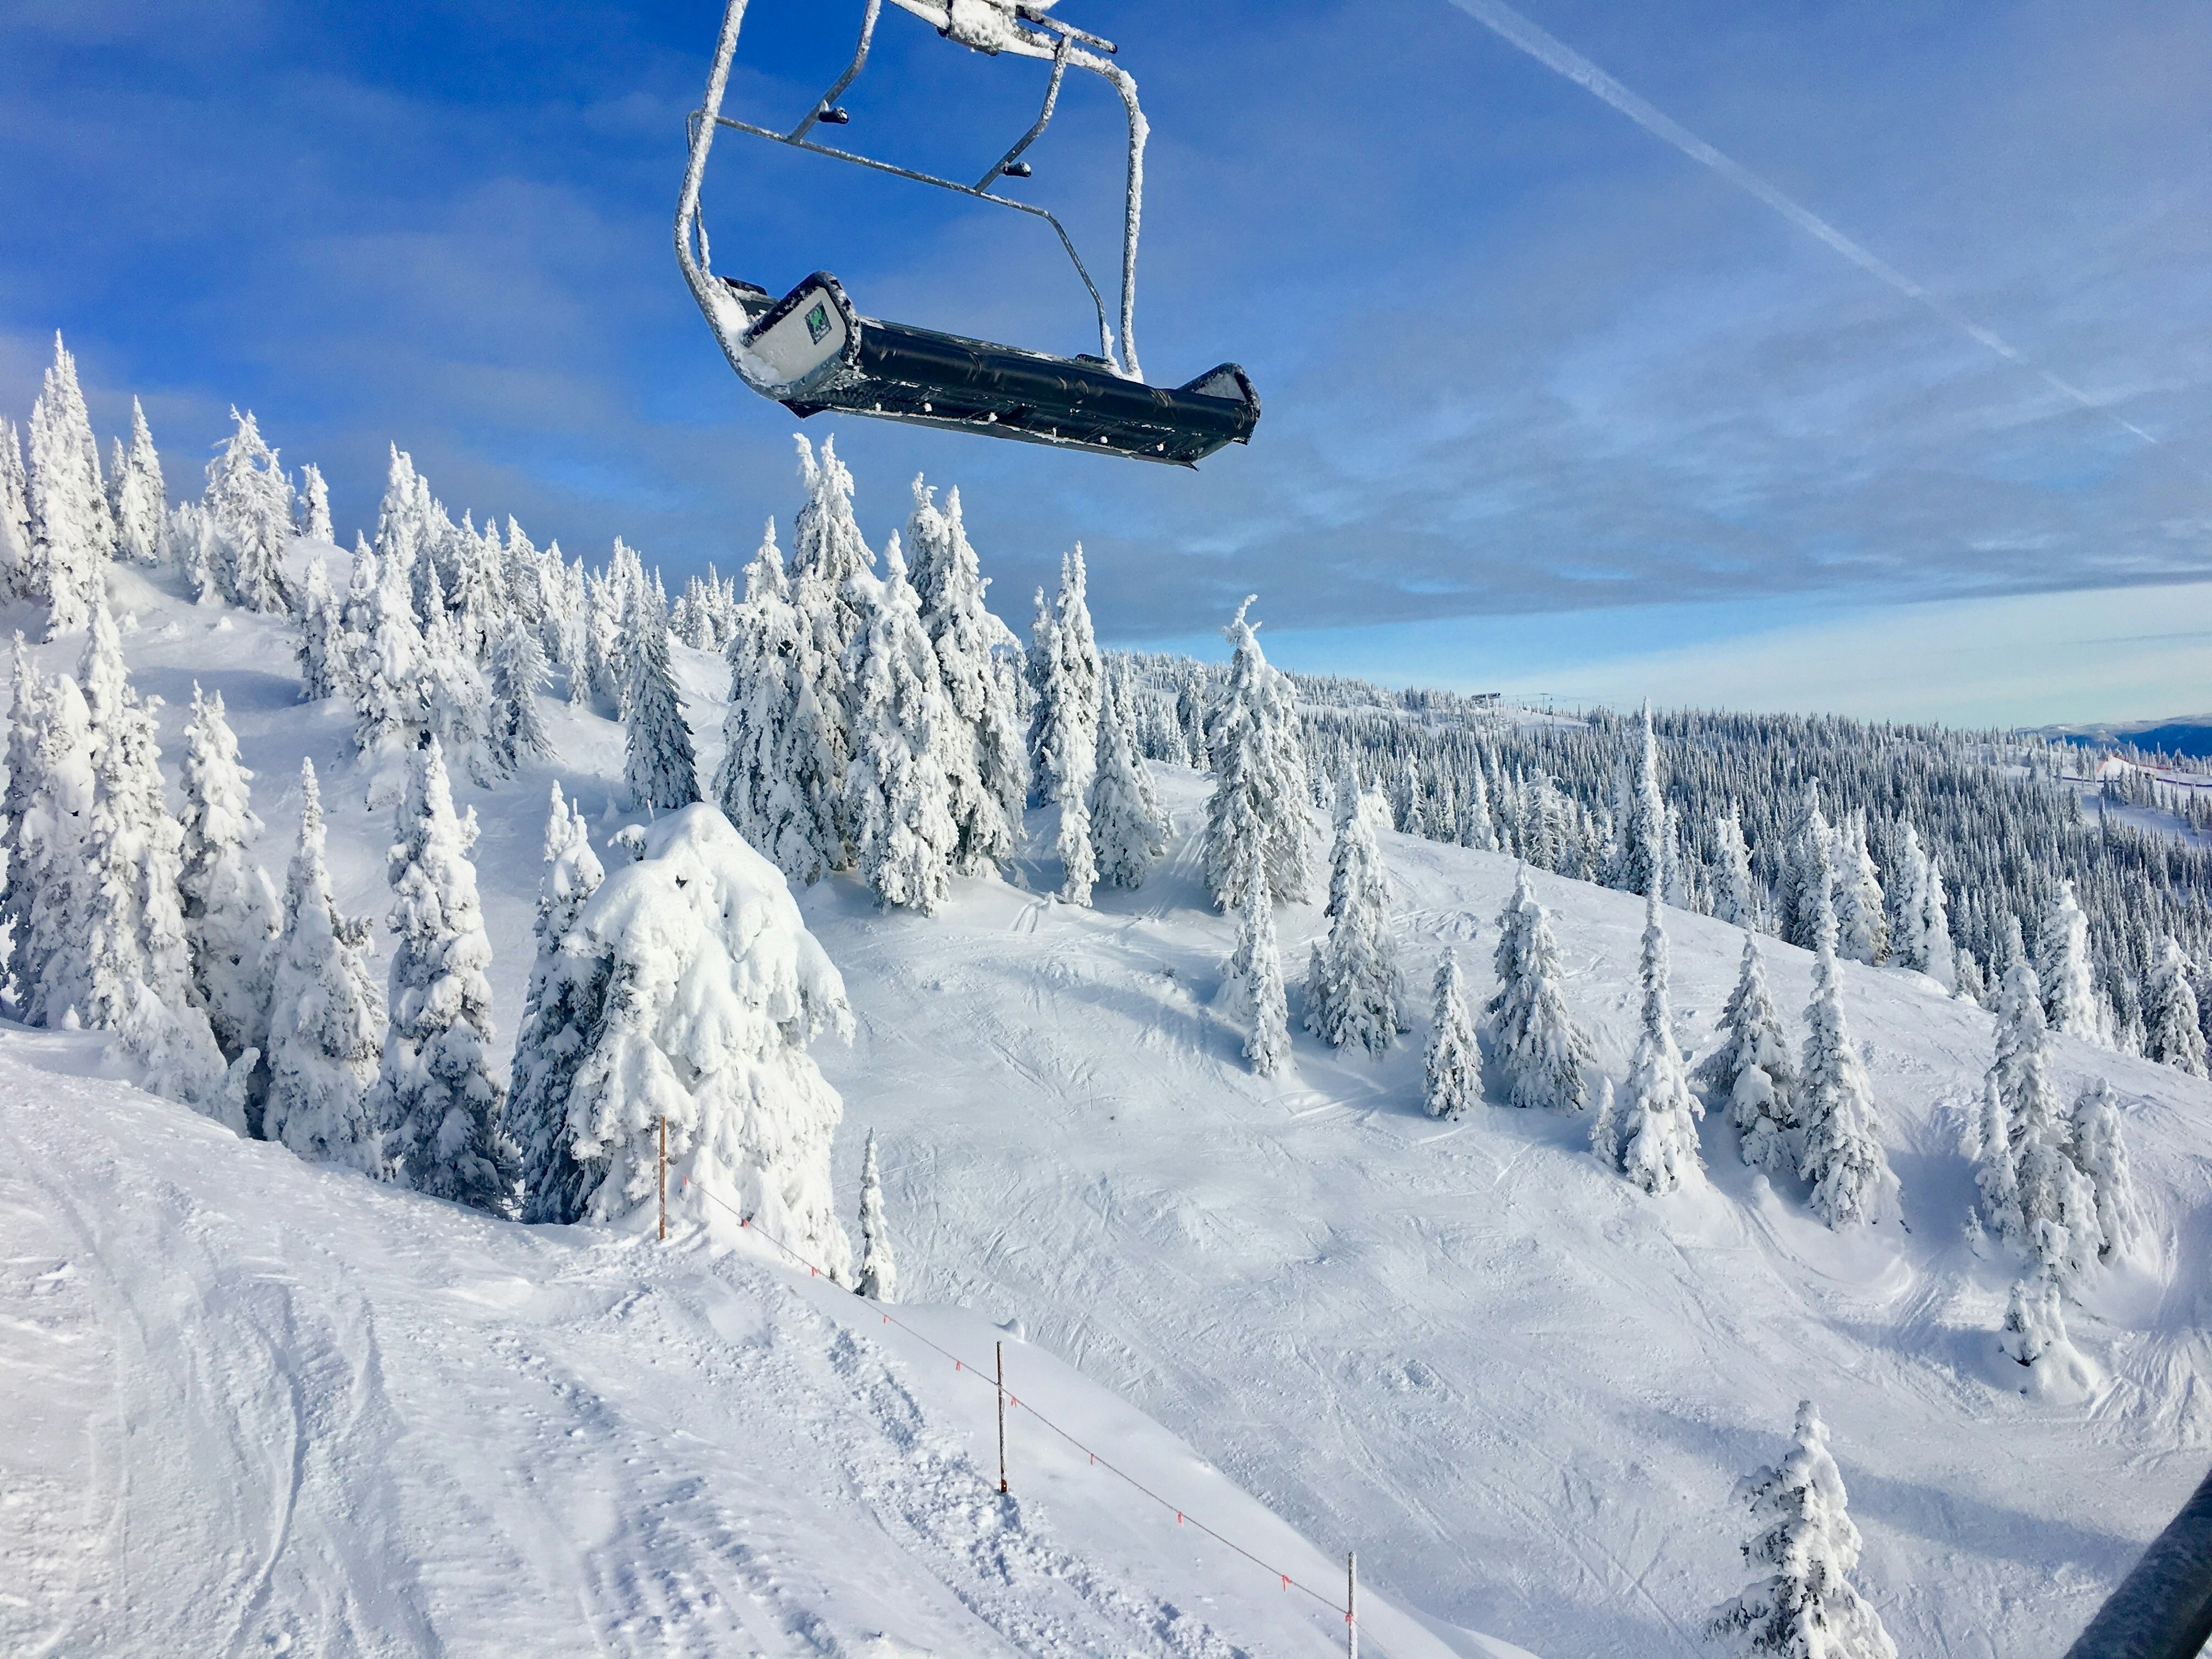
[1556, 55]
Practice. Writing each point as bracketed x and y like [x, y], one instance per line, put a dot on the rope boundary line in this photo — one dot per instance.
[964, 1367]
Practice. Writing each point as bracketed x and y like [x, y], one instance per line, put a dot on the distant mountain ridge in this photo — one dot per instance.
[2180, 734]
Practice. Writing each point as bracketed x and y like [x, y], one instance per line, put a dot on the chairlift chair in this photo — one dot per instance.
[813, 350]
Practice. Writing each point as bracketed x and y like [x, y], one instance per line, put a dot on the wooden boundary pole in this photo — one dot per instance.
[664, 1177]
[1351, 1606]
[1002, 1414]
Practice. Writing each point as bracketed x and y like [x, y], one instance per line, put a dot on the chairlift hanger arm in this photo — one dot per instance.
[987, 26]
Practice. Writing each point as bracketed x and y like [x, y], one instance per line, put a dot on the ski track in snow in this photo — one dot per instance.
[252, 1406]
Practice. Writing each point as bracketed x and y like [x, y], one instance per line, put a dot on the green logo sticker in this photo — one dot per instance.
[818, 323]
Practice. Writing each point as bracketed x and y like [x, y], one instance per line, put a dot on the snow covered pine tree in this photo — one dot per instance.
[1254, 983]
[714, 987]
[905, 745]
[1655, 1131]
[1260, 790]
[1128, 830]
[1354, 992]
[436, 1101]
[1068, 676]
[231, 913]
[1751, 1069]
[1804, 1605]
[1451, 1067]
[1840, 1153]
[784, 751]
[1540, 1052]
[878, 1279]
[325, 1015]
[660, 769]
[568, 989]
[987, 791]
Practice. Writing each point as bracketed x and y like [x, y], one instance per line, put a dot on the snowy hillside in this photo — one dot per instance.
[255, 1406]
[1520, 1386]
[267, 1404]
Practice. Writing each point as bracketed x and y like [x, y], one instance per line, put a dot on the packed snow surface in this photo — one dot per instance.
[255, 1406]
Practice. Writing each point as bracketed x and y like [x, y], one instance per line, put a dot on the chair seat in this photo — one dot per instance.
[812, 351]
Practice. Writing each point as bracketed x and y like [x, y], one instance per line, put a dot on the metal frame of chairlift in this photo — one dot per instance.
[812, 351]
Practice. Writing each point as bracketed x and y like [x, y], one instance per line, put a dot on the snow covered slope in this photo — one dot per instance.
[251, 1406]
[1519, 1388]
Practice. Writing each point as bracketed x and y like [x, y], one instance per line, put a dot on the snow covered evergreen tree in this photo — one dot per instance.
[141, 500]
[518, 673]
[1804, 1547]
[1807, 873]
[436, 1101]
[2034, 1320]
[1540, 1052]
[457, 697]
[404, 528]
[231, 911]
[1922, 934]
[72, 527]
[714, 986]
[1190, 715]
[878, 1279]
[1068, 676]
[1476, 827]
[1656, 1144]
[2071, 1000]
[1354, 992]
[605, 679]
[828, 547]
[323, 654]
[249, 500]
[138, 959]
[314, 505]
[1065, 674]
[2043, 1201]
[1451, 1067]
[325, 1015]
[1259, 789]
[987, 792]
[661, 768]
[389, 665]
[1254, 982]
[50, 789]
[1128, 830]
[783, 758]
[530, 598]
[1841, 1157]
[1751, 1069]
[568, 990]
[476, 591]
[1639, 866]
[1862, 914]
[1735, 899]
[16, 571]
[2096, 1146]
[905, 744]
[2171, 1034]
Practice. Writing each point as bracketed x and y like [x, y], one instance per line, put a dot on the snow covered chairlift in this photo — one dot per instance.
[812, 350]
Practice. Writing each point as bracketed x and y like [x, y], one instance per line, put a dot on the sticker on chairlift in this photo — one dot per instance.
[818, 323]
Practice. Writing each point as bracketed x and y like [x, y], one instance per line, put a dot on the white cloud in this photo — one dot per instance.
[2022, 659]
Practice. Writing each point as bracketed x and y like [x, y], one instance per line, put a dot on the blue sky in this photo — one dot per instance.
[1548, 405]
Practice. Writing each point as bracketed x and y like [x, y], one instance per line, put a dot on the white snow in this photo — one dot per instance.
[254, 1405]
